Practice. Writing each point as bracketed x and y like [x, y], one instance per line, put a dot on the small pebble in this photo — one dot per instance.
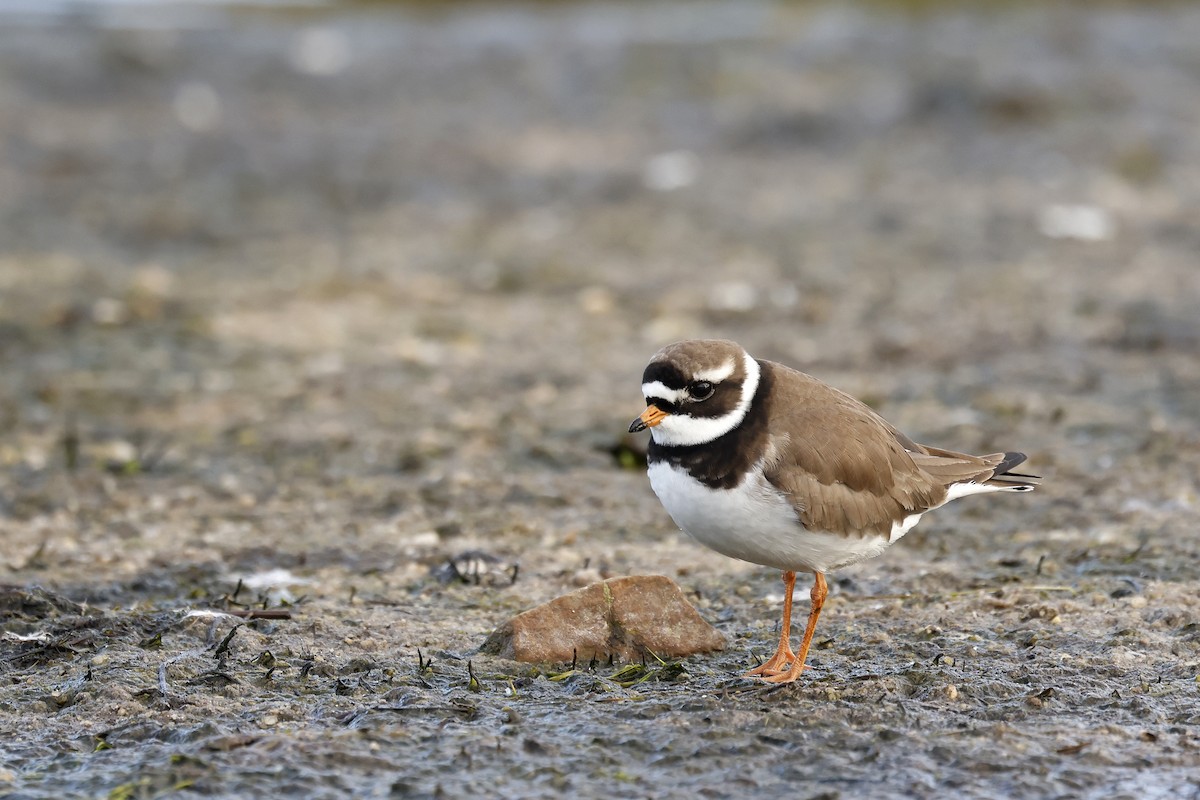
[1080, 222]
[597, 300]
[669, 171]
[586, 577]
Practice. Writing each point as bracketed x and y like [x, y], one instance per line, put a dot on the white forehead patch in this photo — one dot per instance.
[660, 391]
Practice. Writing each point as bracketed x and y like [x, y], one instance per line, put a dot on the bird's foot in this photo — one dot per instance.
[787, 676]
[777, 664]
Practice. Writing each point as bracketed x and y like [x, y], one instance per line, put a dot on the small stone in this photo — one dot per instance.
[628, 618]
[321, 51]
[198, 107]
[597, 300]
[109, 313]
[1082, 222]
[586, 577]
[737, 296]
[669, 171]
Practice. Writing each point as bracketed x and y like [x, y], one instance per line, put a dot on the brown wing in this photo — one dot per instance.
[846, 469]
[949, 467]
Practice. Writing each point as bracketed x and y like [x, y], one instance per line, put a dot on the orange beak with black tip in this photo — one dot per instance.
[649, 418]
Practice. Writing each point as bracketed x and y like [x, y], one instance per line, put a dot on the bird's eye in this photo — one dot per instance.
[701, 390]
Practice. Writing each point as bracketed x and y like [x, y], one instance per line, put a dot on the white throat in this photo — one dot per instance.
[680, 430]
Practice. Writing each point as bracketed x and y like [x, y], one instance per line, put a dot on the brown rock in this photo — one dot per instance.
[627, 618]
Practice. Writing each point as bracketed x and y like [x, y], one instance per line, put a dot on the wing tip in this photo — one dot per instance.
[1006, 480]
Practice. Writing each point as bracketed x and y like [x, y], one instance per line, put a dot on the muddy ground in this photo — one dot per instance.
[314, 301]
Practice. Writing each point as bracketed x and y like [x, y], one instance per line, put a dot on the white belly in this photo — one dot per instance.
[755, 522]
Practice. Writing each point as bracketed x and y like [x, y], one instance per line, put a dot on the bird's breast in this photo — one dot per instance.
[754, 521]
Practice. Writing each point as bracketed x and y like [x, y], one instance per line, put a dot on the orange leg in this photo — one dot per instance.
[819, 592]
[778, 663]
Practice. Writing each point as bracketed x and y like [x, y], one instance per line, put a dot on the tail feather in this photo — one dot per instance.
[954, 467]
[964, 474]
[1004, 480]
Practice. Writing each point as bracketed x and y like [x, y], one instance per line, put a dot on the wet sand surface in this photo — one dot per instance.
[294, 307]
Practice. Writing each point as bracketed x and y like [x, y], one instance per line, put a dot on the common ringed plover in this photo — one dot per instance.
[766, 464]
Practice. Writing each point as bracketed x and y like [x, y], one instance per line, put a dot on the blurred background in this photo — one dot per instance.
[346, 288]
[242, 241]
